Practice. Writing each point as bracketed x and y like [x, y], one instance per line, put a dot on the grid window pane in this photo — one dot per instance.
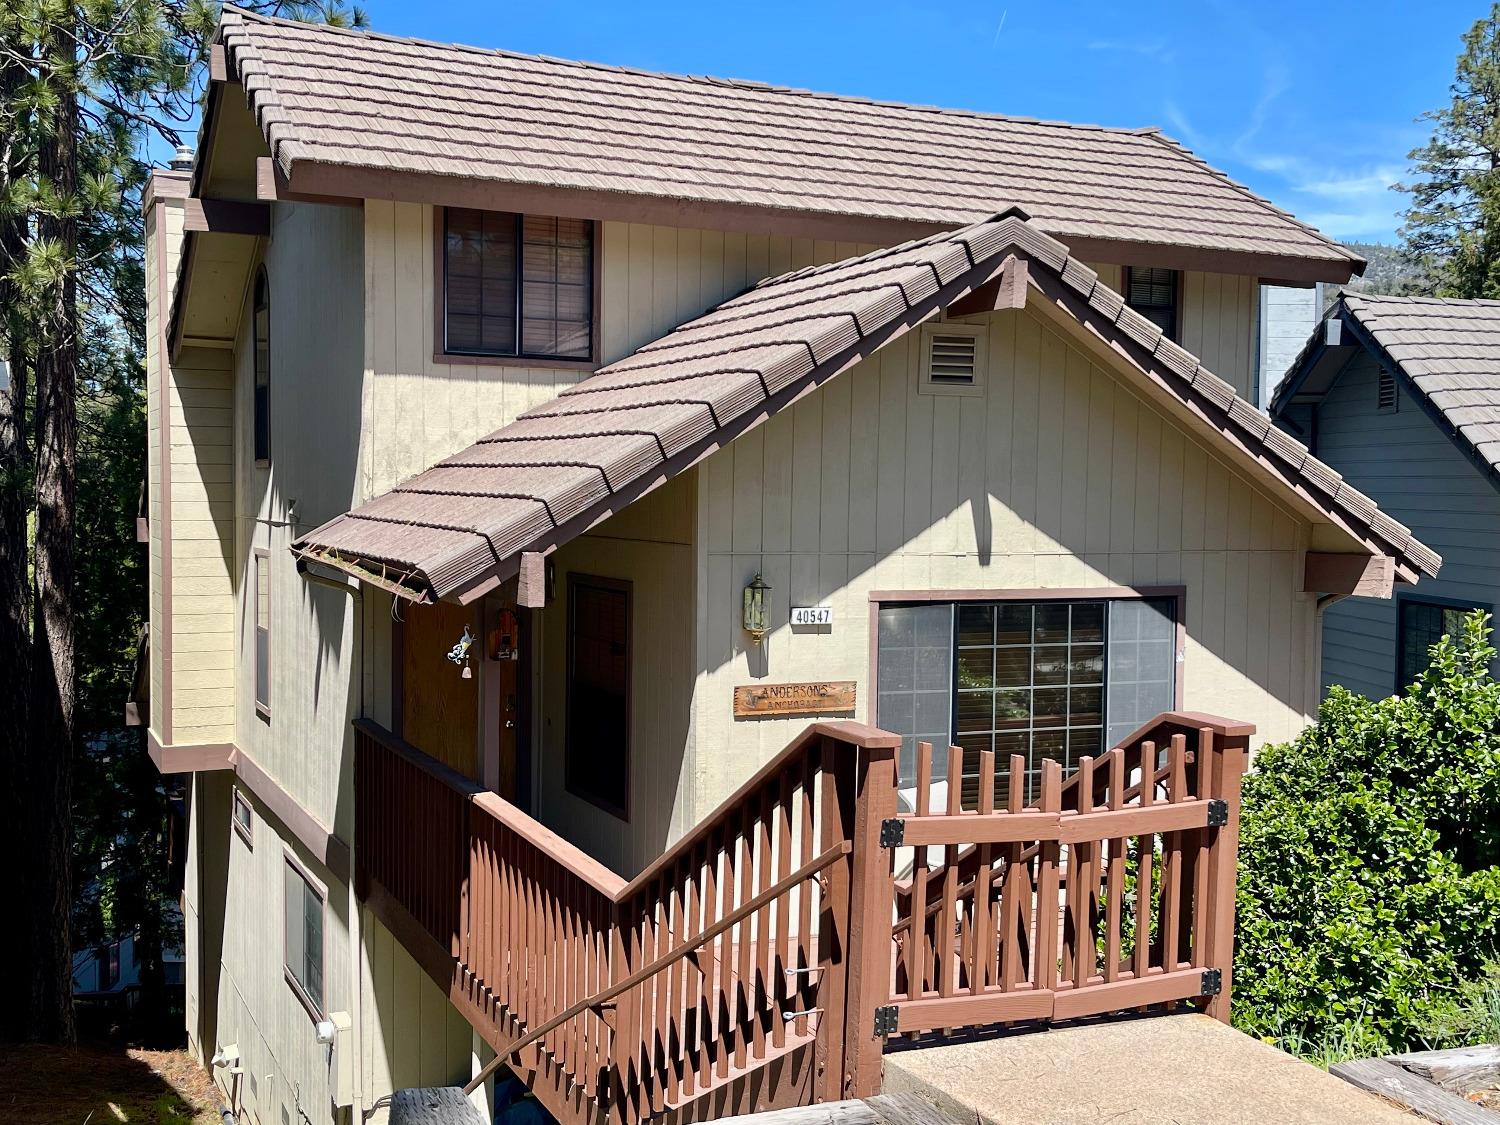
[1422, 625]
[263, 630]
[1040, 679]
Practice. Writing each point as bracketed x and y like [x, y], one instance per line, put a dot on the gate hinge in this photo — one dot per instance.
[892, 832]
[1213, 982]
[1218, 813]
[887, 1016]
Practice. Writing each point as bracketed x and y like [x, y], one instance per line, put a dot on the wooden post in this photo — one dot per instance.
[871, 898]
[1225, 772]
[833, 925]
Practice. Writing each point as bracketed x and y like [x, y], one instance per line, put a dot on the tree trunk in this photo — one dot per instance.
[15, 580]
[54, 677]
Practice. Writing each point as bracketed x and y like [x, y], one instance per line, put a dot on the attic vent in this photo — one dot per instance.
[952, 358]
[1386, 398]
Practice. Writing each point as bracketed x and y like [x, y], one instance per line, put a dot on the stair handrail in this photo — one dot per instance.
[807, 871]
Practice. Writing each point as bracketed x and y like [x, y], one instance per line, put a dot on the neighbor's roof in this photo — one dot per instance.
[460, 527]
[1446, 351]
[328, 97]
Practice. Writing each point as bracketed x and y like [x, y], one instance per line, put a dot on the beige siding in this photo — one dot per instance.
[650, 545]
[1059, 476]
[413, 1036]
[313, 266]
[418, 410]
[1220, 325]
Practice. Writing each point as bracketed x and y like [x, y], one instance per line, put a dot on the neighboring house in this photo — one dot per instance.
[459, 499]
[1402, 396]
[115, 967]
[1287, 315]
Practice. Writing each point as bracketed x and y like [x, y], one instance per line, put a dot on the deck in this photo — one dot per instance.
[771, 956]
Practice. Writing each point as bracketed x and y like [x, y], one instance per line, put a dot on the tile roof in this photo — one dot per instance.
[1447, 349]
[459, 527]
[329, 96]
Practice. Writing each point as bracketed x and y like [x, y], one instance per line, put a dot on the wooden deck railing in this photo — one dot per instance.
[766, 934]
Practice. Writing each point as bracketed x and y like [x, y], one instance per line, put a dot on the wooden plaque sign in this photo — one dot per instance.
[817, 698]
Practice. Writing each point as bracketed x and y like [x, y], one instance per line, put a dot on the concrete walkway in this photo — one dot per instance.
[1174, 1068]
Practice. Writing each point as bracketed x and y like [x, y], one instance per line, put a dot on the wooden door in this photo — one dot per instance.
[440, 708]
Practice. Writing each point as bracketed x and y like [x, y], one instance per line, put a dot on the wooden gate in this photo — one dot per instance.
[1101, 893]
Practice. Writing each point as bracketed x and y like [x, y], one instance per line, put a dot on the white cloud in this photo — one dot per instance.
[1158, 49]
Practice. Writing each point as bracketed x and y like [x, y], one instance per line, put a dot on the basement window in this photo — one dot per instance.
[1155, 294]
[952, 358]
[303, 934]
[1387, 399]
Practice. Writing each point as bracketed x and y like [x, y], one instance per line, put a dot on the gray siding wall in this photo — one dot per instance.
[1408, 466]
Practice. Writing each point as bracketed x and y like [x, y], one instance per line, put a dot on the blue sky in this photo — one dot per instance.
[1311, 104]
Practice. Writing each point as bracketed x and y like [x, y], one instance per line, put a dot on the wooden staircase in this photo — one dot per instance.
[762, 961]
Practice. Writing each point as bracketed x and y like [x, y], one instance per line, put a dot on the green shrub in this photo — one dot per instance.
[1369, 892]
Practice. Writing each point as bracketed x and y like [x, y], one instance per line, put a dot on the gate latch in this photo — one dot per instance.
[892, 832]
[887, 1018]
[1218, 813]
[1213, 982]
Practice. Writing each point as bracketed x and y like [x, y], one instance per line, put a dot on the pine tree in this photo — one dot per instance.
[1452, 228]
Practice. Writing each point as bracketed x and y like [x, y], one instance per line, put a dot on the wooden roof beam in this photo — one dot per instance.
[1008, 291]
[1364, 576]
[226, 216]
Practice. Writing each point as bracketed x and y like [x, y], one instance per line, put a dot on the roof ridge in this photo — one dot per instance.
[1421, 299]
[709, 79]
[1218, 173]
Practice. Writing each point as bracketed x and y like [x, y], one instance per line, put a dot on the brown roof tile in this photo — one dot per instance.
[331, 96]
[562, 466]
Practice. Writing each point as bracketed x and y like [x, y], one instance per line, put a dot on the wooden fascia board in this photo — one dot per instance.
[312, 178]
[1365, 576]
[271, 187]
[617, 501]
[1062, 305]
[226, 216]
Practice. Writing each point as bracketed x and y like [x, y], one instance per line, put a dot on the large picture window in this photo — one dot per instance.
[1421, 624]
[517, 285]
[598, 733]
[1043, 679]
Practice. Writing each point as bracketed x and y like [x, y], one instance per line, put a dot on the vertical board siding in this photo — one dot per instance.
[650, 545]
[1220, 318]
[1408, 466]
[1059, 476]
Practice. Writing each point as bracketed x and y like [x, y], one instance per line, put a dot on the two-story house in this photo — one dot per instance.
[537, 448]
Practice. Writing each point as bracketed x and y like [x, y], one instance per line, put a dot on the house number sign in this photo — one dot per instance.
[812, 615]
[818, 698]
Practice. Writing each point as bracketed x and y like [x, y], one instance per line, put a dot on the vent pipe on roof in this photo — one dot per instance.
[182, 159]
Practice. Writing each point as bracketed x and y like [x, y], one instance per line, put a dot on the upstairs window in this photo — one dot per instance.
[1154, 293]
[517, 285]
[262, 331]
[262, 610]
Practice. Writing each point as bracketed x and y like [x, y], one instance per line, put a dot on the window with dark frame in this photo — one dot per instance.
[1153, 293]
[517, 285]
[244, 819]
[598, 693]
[1043, 679]
[303, 946]
[1420, 625]
[263, 632]
[262, 332]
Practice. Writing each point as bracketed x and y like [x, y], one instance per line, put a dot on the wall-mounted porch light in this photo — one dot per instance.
[755, 608]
